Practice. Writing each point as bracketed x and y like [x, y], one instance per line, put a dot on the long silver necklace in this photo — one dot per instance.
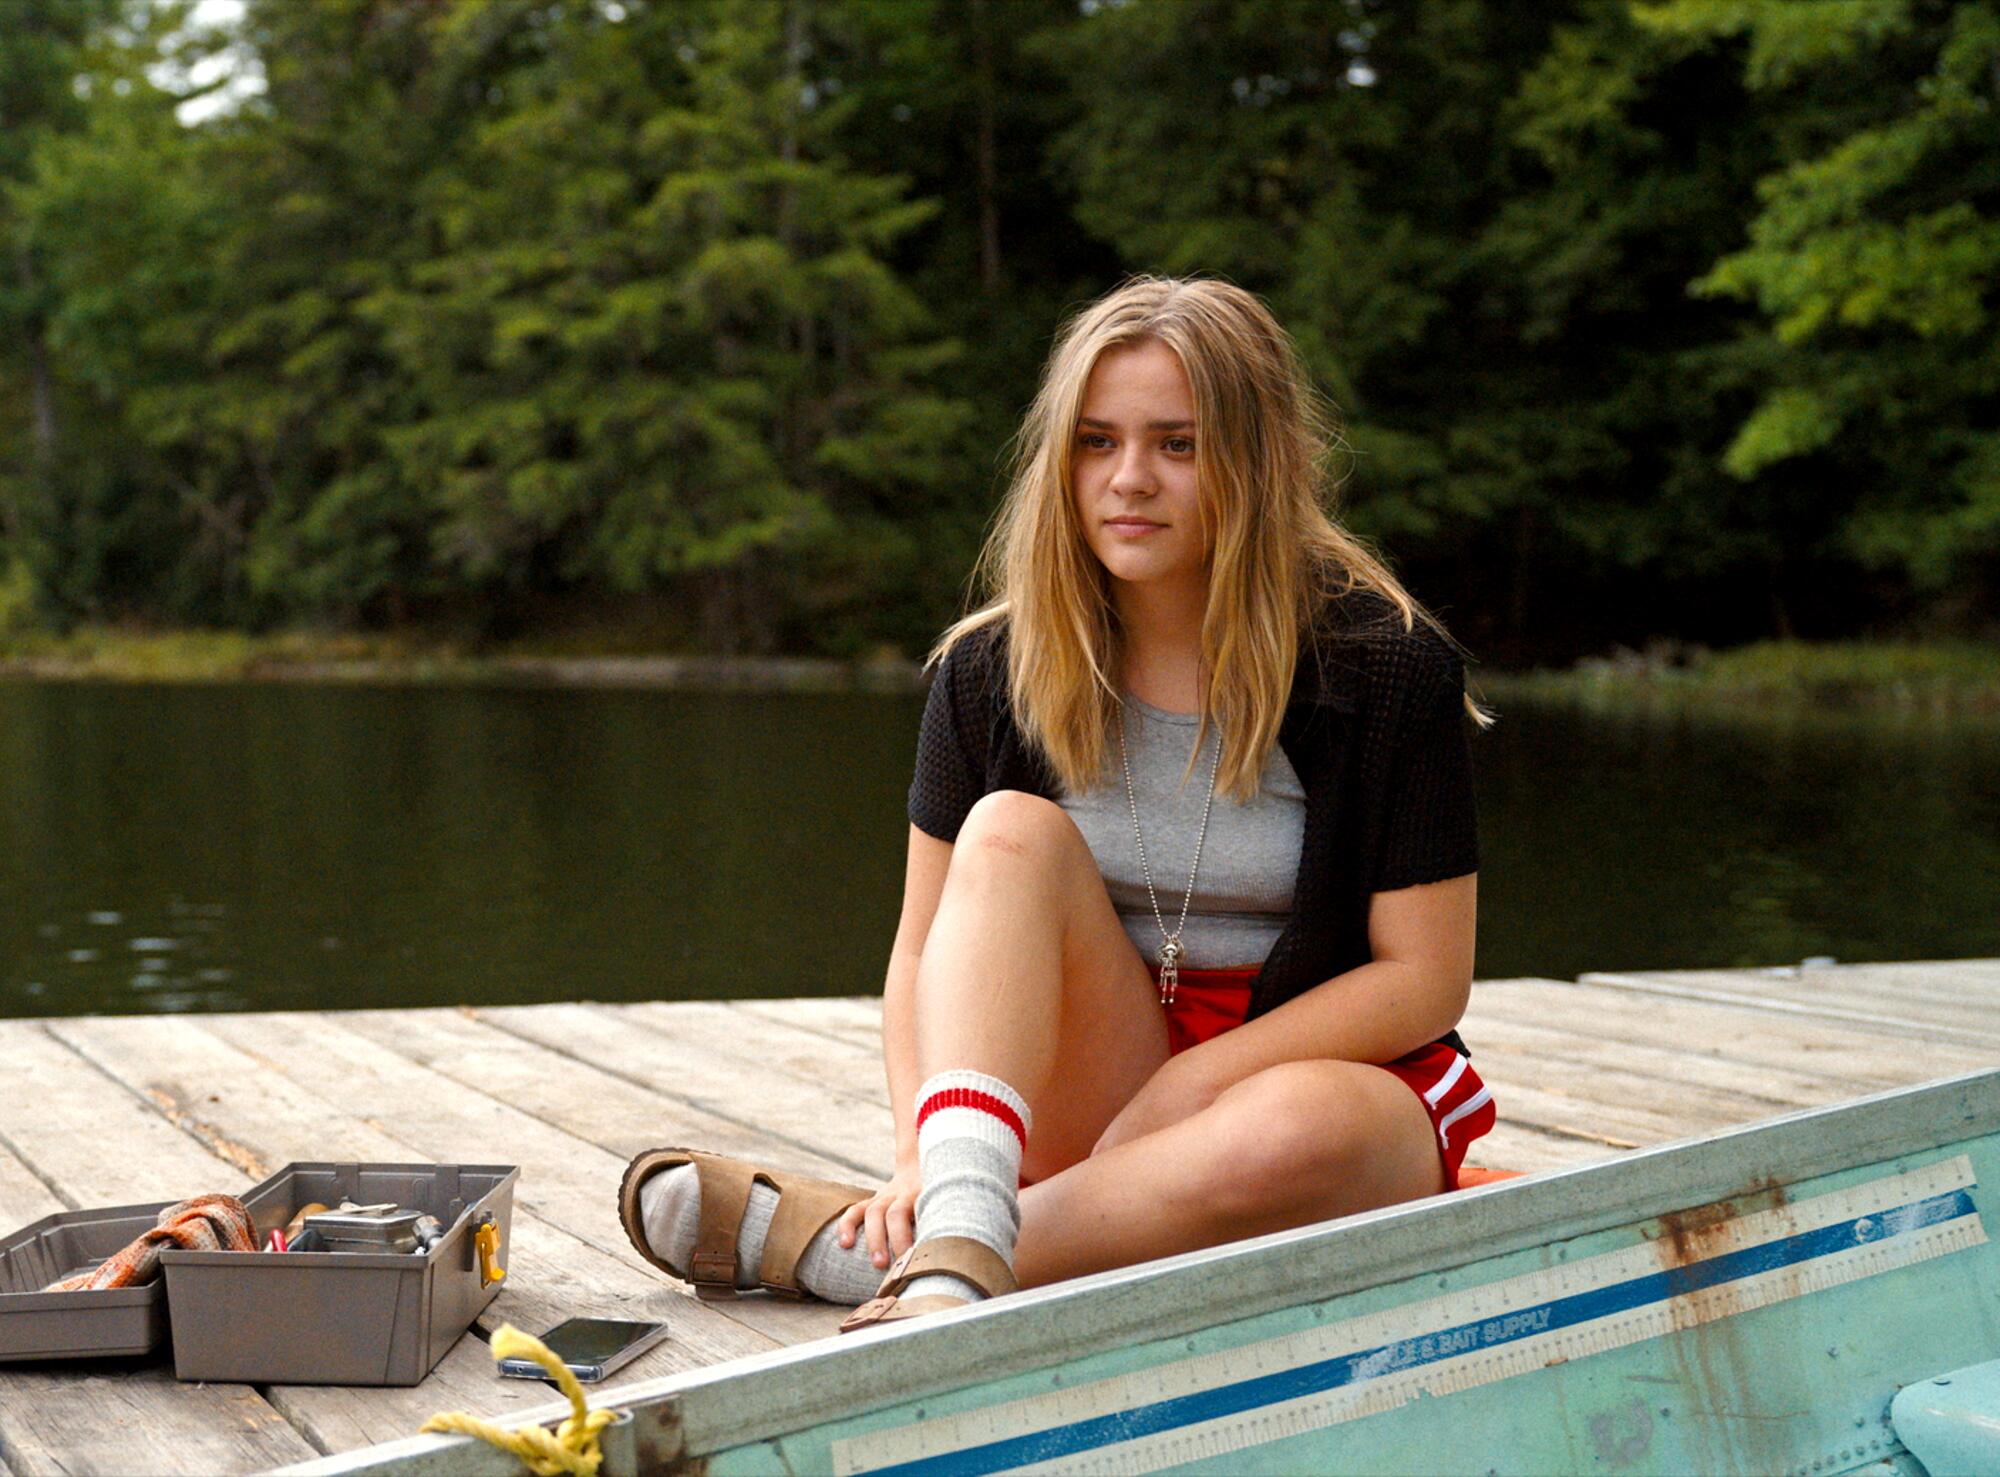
[1170, 948]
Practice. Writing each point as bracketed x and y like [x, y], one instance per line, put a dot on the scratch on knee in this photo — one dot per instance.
[999, 841]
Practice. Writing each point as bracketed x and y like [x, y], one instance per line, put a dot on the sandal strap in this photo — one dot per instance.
[895, 1310]
[631, 1213]
[725, 1195]
[804, 1208]
[955, 1256]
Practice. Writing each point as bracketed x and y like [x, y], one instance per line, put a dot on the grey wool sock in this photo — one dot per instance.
[971, 1131]
[670, 1210]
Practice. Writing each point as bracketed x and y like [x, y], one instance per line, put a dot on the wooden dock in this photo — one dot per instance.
[110, 1111]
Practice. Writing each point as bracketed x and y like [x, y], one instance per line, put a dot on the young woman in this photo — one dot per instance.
[1189, 908]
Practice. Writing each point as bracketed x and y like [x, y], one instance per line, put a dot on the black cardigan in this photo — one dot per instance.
[1375, 729]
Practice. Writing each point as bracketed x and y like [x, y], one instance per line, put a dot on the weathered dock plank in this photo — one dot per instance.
[1932, 1001]
[1737, 1030]
[849, 1064]
[1726, 1046]
[711, 1062]
[99, 1141]
[24, 1195]
[856, 1021]
[575, 1095]
[101, 1417]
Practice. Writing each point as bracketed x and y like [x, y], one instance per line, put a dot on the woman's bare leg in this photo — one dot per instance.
[1293, 1144]
[1027, 975]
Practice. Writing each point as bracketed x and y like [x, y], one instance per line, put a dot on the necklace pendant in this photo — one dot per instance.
[1170, 971]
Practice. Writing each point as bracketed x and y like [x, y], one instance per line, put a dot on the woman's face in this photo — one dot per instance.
[1132, 465]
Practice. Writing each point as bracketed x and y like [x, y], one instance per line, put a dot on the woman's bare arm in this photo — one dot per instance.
[1412, 992]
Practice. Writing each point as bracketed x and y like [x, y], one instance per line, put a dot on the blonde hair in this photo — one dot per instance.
[1262, 450]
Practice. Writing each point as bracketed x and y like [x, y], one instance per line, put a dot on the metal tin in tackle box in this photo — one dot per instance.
[361, 1231]
[78, 1325]
[342, 1318]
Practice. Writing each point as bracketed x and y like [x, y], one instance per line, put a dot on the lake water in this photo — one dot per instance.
[301, 847]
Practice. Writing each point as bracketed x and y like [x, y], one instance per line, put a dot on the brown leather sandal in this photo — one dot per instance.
[961, 1256]
[804, 1206]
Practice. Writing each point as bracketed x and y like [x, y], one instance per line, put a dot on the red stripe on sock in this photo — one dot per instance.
[970, 1097]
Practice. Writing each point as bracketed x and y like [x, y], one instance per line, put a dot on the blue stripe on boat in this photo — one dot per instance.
[1448, 1343]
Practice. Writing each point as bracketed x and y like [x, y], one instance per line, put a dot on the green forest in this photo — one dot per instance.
[713, 319]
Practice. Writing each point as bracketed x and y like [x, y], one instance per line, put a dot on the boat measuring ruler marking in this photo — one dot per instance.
[1209, 1405]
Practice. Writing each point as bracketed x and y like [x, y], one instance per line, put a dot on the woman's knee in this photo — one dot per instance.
[1009, 824]
[1288, 1133]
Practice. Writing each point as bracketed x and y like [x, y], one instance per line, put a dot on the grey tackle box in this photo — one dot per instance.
[321, 1317]
[78, 1325]
[341, 1318]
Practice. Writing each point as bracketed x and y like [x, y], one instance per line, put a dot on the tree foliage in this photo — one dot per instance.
[1873, 257]
[1669, 316]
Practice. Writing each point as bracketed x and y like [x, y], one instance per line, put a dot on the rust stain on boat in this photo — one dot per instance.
[1705, 1231]
[1701, 1233]
[1710, 1363]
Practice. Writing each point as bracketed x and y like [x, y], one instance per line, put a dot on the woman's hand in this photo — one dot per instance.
[1178, 1090]
[890, 1219]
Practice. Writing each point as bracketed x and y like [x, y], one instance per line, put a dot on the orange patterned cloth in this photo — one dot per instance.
[205, 1223]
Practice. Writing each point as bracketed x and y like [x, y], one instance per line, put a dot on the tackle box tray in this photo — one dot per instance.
[340, 1318]
[77, 1325]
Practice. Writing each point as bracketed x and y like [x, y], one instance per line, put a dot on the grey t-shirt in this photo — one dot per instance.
[1249, 863]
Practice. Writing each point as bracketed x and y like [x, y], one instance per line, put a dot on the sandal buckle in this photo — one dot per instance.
[717, 1269]
[867, 1313]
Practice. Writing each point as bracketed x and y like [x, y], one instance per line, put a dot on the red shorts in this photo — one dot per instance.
[1208, 1002]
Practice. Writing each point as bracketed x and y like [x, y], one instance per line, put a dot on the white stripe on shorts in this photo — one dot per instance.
[1478, 1100]
[1443, 1085]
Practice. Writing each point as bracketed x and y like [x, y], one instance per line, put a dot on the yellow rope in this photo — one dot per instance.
[571, 1448]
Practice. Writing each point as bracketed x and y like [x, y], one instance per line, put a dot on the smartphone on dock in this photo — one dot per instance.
[593, 1348]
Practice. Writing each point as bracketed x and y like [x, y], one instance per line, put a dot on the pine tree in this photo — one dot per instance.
[659, 346]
